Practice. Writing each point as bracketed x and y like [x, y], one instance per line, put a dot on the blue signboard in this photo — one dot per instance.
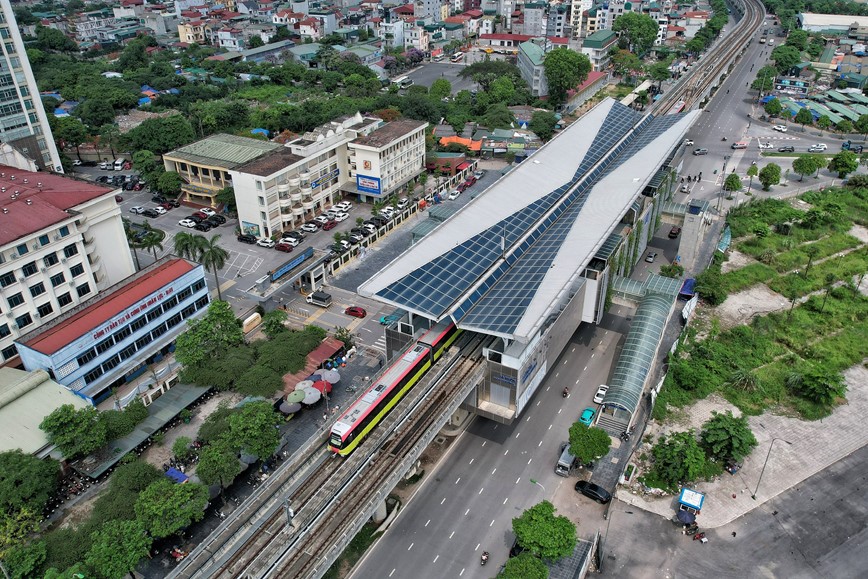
[327, 177]
[368, 184]
[291, 264]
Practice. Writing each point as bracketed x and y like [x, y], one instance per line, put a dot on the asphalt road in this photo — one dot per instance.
[426, 74]
[815, 530]
[466, 505]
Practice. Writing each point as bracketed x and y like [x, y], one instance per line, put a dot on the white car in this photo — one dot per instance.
[187, 223]
[290, 241]
[688, 142]
[309, 227]
[265, 242]
[321, 219]
[601, 393]
[137, 209]
[403, 202]
[159, 210]
[208, 211]
[766, 146]
[344, 206]
[780, 128]
[818, 147]
[341, 217]
[76, 163]
[454, 195]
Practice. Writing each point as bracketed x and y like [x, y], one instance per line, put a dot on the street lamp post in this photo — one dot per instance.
[775, 439]
[722, 183]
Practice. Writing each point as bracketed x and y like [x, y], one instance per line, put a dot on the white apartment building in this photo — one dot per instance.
[577, 11]
[387, 159]
[61, 241]
[88, 23]
[392, 33]
[607, 14]
[284, 188]
[23, 122]
[416, 37]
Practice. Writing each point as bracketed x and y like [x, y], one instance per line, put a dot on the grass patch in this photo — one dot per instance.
[798, 257]
[744, 219]
[268, 94]
[854, 201]
[354, 551]
[826, 156]
[839, 268]
[745, 277]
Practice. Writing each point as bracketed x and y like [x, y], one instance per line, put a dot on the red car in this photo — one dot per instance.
[167, 206]
[356, 312]
[285, 247]
[329, 225]
[470, 181]
[461, 187]
[200, 215]
[119, 199]
[138, 186]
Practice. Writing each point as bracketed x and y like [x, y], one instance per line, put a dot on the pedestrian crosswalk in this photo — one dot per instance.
[380, 344]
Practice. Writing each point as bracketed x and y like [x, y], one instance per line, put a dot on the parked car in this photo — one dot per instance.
[102, 179]
[765, 146]
[203, 226]
[150, 214]
[159, 209]
[688, 142]
[208, 211]
[215, 222]
[356, 312]
[285, 247]
[128, 186]
[294, 234]
[329, 225]
[402, 203]
[138, 186]
[390, 319]
[652, 255]
[321, 219]
[245, 238]
[356, 238]
[819, 147]
[454, 195]
[461, 187]
[592, 491]
[119, 199]
[601, 393]
[201, 215]
[787, 149]
[479, 174]
[167, 206]
[344, 206]
[158, 199]
[780, 128]
[700, 151]
[290, 241]
[362, 231]
[187, 223]
[195, 218]
[265, 242]
[309, 227]
[341, 217]
[587, 416]
[673, 233]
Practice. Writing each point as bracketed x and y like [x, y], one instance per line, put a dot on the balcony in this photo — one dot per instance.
[294, 182]
[298, 210]
[93, 259]
[88, 239]
[296, 195]
[307, 204]
[285, 203]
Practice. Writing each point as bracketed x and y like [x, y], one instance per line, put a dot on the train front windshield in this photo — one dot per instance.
[335, 440]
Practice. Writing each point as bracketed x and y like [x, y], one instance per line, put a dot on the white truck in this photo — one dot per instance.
[320, 299]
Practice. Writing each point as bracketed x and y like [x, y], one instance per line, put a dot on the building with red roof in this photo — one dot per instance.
[109, 340]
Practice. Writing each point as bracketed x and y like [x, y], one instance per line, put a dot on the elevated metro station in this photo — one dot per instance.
[533, 256]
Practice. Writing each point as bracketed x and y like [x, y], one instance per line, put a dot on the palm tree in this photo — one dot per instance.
[152, 242]
[188, 245]
[213, 257]
[132, 243]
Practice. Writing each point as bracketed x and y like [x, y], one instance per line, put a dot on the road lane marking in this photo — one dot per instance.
[443, 501]
[451, 534]
[506, 499]
[537, 402]
[465, 513]
[550, 427]
[411, 546]
[518, 480]
[559, 410]
[477, 547]
[583, 369]
[494, 471]
[492, 523]
[592, 355]
[577, 379]
[435, 559]
[428, 523]
[517, 434]
[539, 444]
[506, 452]
[462, 572]
[471, 461]
[565, 362]
[480, 491]
[484, 442]
[529, 460]
[393, 572]
[527, 419]
[574, 349]
[456, 482]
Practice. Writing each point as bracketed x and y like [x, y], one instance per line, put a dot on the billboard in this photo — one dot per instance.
[368, 184]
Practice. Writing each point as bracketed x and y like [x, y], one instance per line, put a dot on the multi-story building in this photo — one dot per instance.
[577, 12]
[287, 186]
[110, 340]
[61, 241]
[535, 18]
[416, 36]
[531, 56]
[88, 22]
[204, 165]
[392, 33]
[387, 159]
[558, 21]
[596, 47]
[610, 11]
[23, 122]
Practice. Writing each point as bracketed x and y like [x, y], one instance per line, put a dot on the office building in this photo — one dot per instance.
[387, 159]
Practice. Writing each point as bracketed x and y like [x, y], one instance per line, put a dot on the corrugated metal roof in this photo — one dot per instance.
[222, 150]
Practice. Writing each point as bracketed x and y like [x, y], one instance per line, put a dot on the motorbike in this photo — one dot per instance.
[566, 392]
[723, 138]
[484, 558]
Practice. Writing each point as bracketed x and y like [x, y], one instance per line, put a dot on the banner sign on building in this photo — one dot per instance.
[132, 312]
[327, 177]
[368, 184]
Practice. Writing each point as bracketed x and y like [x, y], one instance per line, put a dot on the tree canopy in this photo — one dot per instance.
[770, 175]
[210, 336]
[75, 432]
[165, 507]
[807, 164]
[640, 30]
[544, 534]
[117, 548]
[565, 69]
[588, 443]
[726, 437]
[678, 458]
[26, 481]
[525, 566]
[844, 163]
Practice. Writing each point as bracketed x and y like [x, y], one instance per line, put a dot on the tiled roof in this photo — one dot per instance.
[222, 150]
[389, 133]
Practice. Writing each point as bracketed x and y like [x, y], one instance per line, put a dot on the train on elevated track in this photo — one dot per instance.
[376, 402]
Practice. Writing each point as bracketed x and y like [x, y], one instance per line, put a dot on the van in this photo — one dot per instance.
[438, 58]
[739, 145]
[457, 57]
[566, 461]
[119, 164]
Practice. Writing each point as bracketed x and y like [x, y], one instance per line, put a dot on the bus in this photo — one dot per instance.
[403, 81]
[457, 57]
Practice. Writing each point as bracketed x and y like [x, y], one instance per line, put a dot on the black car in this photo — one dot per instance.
[158, 199]
[244, 238]
[102, 179]
[204, 226]
[361, 231]
[128, 186]
[356, 238]
[294, 234]
[213, 222]
[593, 491]
[150, 213]
[787, 149]
[218, 219]
[194, 218]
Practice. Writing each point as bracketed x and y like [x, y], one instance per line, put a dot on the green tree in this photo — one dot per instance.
[640, 30]
[765, 79]
[752, 172]
[95, 113]
[169, 183]
[75, 432]
[255, 42]
[188, 245]
[109, 135]
[798, 39]
[543, 534]
[226, 196]
[525, 566]
[165, 507]
[844, 163]
[770, 175]
[51, 39]
[565, 69]
[861, 125]
[181, 448]
[214, 257]
[543, 123]
[148, 166]
[152, 242]
[785, 58]
[209, 337]
[26, 481]
[818, 382]
[160, 135]
[26, 561]
[804, 117]
[218, 464]
[117, 548]
[678, 458]
[502, 90]
[726, 437]
[773, 107]
[659, 71]
[15, 529]
[588, 443]
[845, 126]
[440, 89]
[625, 62]
[732, 183]
[254, 429]
[70, 133]
[806, 164]
[274, 323]
[824, 122]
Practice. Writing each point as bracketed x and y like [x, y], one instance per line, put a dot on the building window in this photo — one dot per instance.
[45, 309]
[170, 303]
[174, 321]
[64, 231]
[22, 249]
[43, 240]
[64, 299]
[57, 279]
[127, 352]
[111, 363]
[105, 345]
[122, 334]
[15, 300]
[7, 279]
[138, 323]
[188, 311]
[91, 376]
[202, 302]
[143, 341]
[50, 259]
[23, 321]
[83, 289]
[5, 331]
[158, 331]
[76, 270]
[184, 294]
[29, 269]
[198, 285]
[37, 289]
[154, 314]
[70, 250]
[9, 352]
[86, 357]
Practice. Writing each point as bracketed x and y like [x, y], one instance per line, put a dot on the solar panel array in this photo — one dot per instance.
[500, 301]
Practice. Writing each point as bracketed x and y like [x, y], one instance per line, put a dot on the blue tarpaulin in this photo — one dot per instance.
[260, 132]
[177, 476]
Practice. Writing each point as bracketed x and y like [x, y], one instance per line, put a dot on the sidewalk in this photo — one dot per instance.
[801, 449]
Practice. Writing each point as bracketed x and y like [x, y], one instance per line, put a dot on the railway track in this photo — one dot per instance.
[691, 88]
